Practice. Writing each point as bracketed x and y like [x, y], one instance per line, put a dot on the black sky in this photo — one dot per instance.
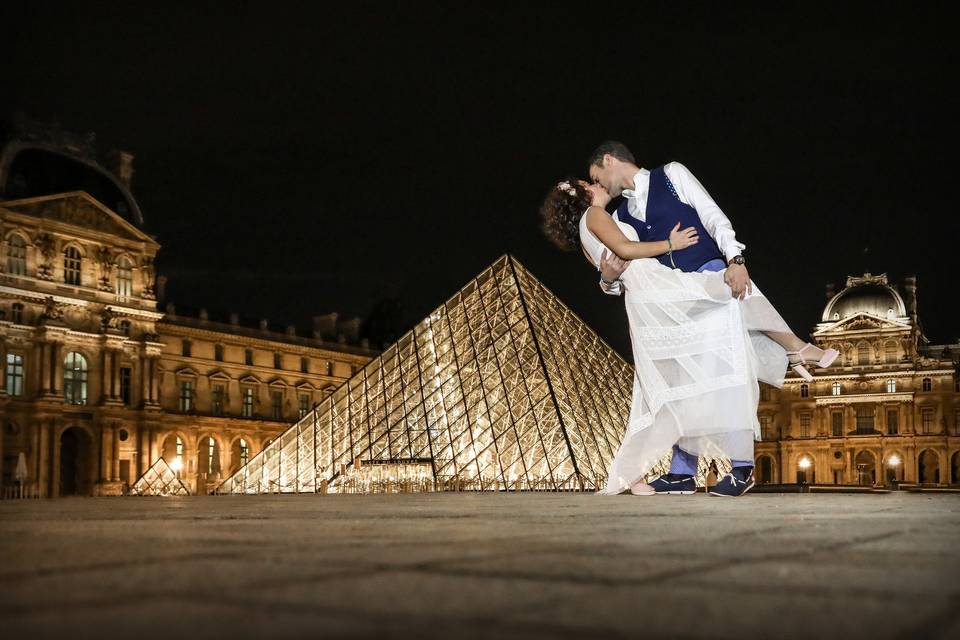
[294, 160]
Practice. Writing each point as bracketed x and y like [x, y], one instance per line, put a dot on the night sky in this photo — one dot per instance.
[293, 162]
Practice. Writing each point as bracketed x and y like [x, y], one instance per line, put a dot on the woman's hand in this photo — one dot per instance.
[683, 239]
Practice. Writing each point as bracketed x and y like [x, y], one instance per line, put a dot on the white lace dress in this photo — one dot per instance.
[698, 353]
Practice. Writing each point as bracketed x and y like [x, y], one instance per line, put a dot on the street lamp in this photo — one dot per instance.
[804, 463]
[893, 462]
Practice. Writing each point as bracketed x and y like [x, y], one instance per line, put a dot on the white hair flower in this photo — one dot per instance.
[566, 188]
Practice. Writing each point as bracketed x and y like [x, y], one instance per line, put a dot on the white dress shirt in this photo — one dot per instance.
[691, 193]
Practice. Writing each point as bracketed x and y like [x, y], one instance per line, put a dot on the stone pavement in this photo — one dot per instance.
[482, 566]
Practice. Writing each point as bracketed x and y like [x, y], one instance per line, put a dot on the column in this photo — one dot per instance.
[3, 384]
[56, 368]
[42, 364]
[54, 461]
[115, 471]
[143, 450]
[151, 380]
[43, 459]
[106, 448]
[104, 364]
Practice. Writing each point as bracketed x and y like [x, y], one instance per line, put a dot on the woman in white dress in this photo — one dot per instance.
[698, 351]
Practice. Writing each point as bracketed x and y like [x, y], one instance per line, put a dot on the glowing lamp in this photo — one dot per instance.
[893, 460]
[177, 464]
[804, 463]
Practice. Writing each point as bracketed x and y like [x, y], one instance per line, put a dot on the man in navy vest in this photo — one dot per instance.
[653, 203]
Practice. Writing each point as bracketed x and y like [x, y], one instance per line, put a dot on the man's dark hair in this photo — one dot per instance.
[616, 149]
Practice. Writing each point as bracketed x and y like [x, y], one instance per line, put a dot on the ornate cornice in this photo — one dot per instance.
[861, 398]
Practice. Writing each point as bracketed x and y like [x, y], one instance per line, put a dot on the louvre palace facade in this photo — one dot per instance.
[97, 383]
[886, 412]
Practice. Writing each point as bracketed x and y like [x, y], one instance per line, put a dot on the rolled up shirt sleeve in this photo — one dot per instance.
[612, 289]
[712, 217]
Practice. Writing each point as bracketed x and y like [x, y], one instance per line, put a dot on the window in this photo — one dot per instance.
[211, 448]
[329, 368]
[304, 404]
[244, 452]
[766, 432]
[304, 365]
[71, 265]
[218, 396]
[14, 374]
[186, 395]
[804, 391]
[124, 278]
[277, 360]
[891, 386]
[927, 384]
[247, 402]
[16, 314]
[276, 404]
[186, 349]
[863, 353]
[75, 378]
[890, 352]
[865, 417]
[893, 422]
[804, 425]
[836, 424]
[126, 375]
[248, 356]
[17, 255]
[836, 389]
[125, 327]
[926, 420]
[179, 456]
[218, 352]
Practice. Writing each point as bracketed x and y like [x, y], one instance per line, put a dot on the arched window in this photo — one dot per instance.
[16, 255]
[836, 388]
[71, 265]
[125, 327]
[863, 353]
[16, 313]
[124, 278]
[244, 452]
[211, 450]
[804, 391]
[927, 384]
[75, 378]
[891, 386]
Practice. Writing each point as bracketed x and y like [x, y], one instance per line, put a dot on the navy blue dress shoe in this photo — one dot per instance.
[674, 484]
[736, 483]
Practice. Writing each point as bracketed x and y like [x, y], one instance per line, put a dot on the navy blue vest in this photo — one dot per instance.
[664, 210]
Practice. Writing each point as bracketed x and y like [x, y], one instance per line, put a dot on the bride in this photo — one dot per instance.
[698, 351]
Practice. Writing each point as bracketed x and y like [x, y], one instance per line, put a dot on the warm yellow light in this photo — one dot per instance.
[177, 464]
[804, 463]
[893, 459]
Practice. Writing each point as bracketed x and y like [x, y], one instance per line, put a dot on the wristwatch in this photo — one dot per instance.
[736, 260]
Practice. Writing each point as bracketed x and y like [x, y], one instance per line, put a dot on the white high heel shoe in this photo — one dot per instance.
[829, 355]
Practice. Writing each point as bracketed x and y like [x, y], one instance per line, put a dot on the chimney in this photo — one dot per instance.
[325, 326]
[203, 314]
[234, 318]
[291, 330]
[121, 165]
[264, 325]
[829, 290]
[365, 343]
[161, 288]
[171, 310]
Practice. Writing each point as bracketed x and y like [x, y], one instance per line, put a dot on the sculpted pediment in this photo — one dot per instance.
[862, 321]
[78, 208]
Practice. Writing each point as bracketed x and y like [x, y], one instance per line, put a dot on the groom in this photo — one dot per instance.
[653, 202]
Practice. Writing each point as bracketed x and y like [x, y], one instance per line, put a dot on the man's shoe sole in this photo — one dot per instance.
[675, 493]
[726, 495]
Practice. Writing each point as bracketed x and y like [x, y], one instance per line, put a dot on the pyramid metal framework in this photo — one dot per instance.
[501, 388]
[160, 480]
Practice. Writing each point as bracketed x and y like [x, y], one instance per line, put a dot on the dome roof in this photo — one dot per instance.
[869, 294]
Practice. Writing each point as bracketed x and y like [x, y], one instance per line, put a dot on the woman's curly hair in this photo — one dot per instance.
[560, 213]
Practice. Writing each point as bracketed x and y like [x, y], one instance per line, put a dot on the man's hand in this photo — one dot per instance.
[738, 280]
[611, 266]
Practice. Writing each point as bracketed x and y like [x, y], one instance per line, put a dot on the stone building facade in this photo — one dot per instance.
[888, 411]
[95, 382]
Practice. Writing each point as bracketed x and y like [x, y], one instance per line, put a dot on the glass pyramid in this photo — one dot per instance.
[160, 480]
[501, 388]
